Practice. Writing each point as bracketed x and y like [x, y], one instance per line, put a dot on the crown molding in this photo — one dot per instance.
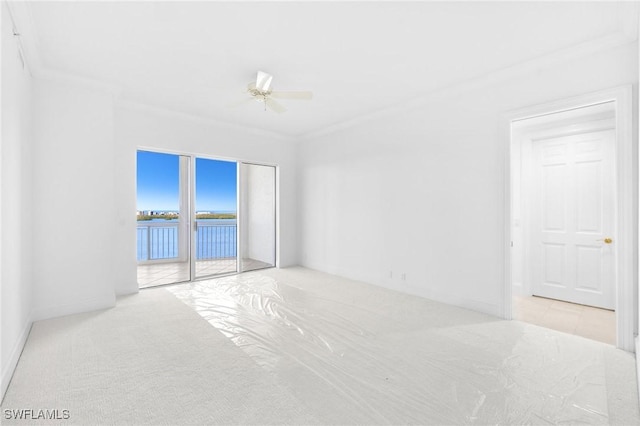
[77, 80]
[629, 21]
[181, 115]
[20, 15]
[611, 41]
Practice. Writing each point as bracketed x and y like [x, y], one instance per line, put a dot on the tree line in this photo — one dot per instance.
[198, 216]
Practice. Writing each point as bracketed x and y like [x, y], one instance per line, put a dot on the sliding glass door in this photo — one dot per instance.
[162, 231]
[200, 217]
[257, 216]
[215, 231]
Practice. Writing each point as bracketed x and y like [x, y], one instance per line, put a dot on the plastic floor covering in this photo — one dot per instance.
[355, 353]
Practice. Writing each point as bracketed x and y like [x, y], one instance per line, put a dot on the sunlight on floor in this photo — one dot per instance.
[153, 274]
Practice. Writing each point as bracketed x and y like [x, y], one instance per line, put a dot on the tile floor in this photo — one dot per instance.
[154, 274]
[586, 321]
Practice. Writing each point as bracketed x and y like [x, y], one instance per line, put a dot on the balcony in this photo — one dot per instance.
[163, 252]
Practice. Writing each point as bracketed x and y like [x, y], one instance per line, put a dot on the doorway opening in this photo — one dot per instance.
[200, 217]
[257, 216]
[569, 263]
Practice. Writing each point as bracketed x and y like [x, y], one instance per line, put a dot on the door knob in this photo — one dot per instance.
[607, 240]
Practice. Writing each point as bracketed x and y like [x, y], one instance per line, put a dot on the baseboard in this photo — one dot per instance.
[517, 289]
[125, 290]
[414, 290]
[8, 370]
[471, 304]
[638, 364]
[88, 305]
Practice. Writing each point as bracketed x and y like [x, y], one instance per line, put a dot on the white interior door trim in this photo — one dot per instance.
[625, 201]
[239, 216]
[191, 189]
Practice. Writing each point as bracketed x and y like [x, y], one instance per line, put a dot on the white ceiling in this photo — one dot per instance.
[357, 57]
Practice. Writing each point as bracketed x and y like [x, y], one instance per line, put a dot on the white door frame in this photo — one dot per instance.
[626, 232]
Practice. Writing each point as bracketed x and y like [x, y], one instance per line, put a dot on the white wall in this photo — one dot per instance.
[420, 192]
[16, 265]
[157, 130]
[84, 163]
[637, 234]
[74, 173]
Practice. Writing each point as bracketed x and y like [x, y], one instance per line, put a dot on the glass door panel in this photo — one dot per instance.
[162, 219]
[215, 235]
[188, 222]
[257, 216]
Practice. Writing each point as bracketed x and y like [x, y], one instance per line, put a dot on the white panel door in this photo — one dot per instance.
[572, 219]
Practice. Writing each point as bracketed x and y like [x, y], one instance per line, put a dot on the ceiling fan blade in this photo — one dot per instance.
[239, 103]
[263, 81]
[301, 95]
[274, 106]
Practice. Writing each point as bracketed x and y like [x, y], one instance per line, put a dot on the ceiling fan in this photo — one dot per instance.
[261, 91]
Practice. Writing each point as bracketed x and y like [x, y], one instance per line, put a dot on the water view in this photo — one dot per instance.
[161, 235]
[162, 239]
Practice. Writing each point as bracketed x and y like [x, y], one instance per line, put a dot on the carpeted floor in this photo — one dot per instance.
[149, 360]
[295, 346]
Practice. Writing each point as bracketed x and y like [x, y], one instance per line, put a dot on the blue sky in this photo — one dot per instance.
[215, 185]
[158, 183]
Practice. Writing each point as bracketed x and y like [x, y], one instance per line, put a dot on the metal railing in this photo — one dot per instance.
[215, 241]
[160, 241]
[157, 240]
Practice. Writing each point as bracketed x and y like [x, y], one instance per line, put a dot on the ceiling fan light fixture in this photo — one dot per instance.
[263, 81]
[261, 91]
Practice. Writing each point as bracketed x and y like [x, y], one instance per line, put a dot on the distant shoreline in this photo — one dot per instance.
[143, 217]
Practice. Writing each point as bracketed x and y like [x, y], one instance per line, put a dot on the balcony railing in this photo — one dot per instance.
[157, 240]
[215, 241]
[161, 241]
